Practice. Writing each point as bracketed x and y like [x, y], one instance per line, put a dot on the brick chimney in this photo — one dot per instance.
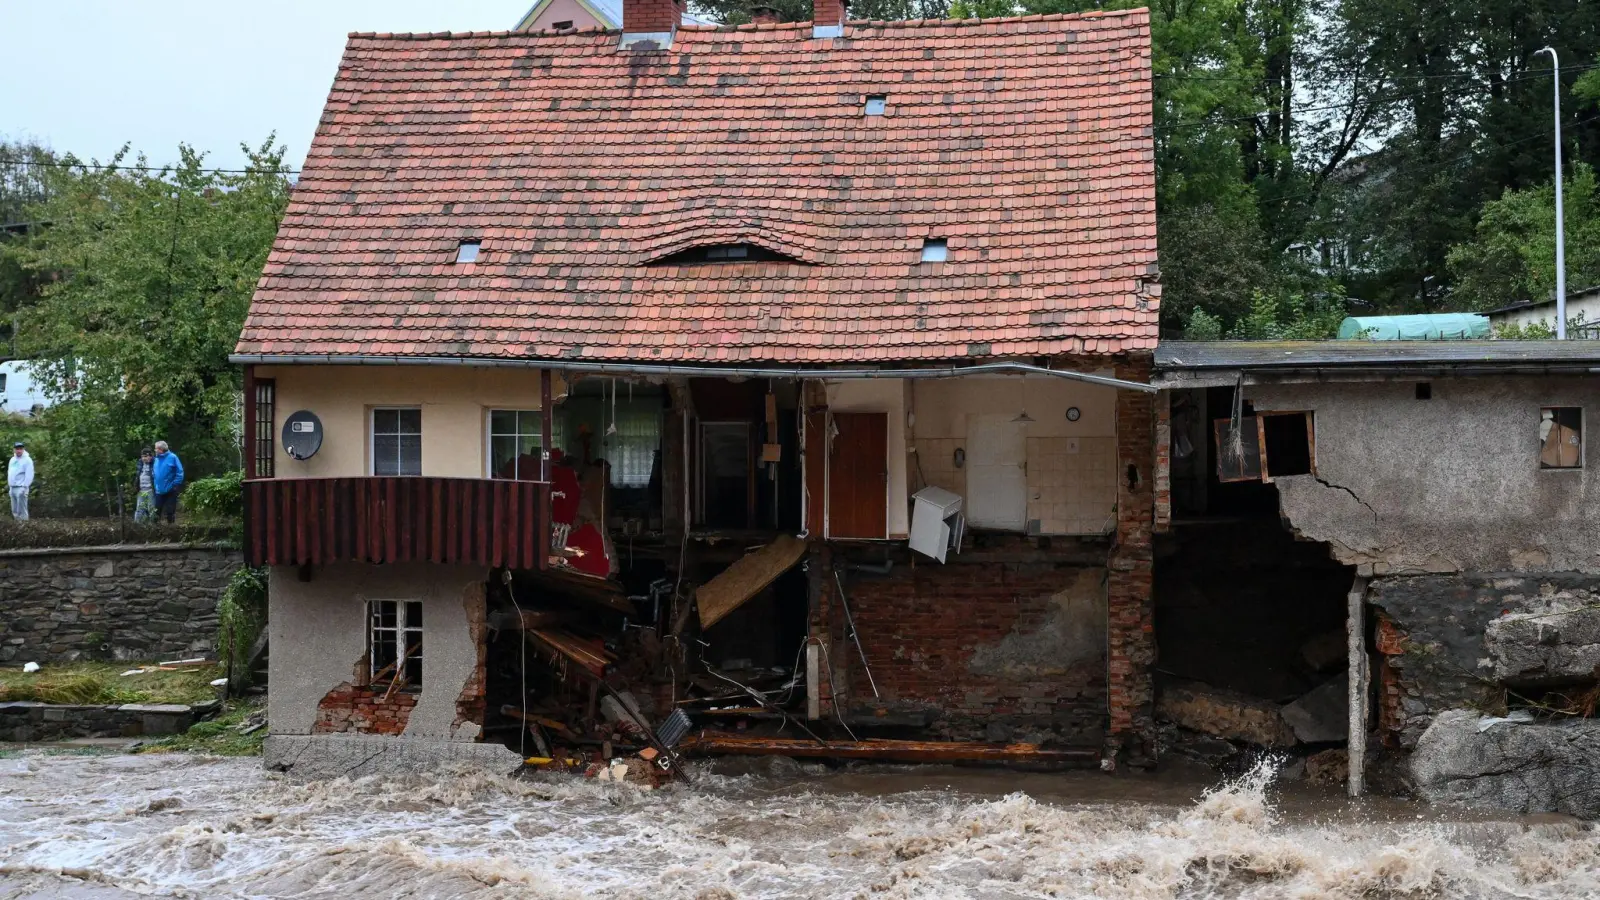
[650, 22]
[827, 18]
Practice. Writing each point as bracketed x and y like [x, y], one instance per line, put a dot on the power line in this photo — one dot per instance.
[1527, 73]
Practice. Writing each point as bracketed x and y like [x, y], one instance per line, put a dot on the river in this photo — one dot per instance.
[113, 827]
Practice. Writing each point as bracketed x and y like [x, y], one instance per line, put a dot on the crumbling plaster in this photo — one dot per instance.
[318, 639]
[1448, 484]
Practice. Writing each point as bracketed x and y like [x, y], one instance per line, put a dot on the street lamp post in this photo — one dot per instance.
[1561, 237]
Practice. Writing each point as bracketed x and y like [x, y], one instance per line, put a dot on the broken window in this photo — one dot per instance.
[397, 442]
[1561, 437]
[395, 643]
[1268, 445]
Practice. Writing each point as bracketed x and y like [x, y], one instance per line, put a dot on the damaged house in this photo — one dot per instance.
[1415, 514]
[770, 388]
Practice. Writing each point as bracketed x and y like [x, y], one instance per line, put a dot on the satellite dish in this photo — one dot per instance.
[302, 435]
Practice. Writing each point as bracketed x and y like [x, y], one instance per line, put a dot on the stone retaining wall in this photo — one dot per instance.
[31, 722]
[123, 602]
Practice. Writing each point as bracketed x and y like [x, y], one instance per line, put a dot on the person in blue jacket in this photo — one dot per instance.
[168, 482]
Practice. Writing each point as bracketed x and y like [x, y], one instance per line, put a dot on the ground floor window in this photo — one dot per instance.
[395, 642]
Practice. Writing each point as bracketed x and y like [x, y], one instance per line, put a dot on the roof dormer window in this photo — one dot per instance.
[935, 250]
[726, 253]
[467, 252]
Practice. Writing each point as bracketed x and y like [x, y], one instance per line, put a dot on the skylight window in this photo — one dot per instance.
[467, 252]
[876, 104]
[935, 250]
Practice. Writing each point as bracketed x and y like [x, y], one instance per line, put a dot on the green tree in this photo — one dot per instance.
[1512, 255]
[149, 275]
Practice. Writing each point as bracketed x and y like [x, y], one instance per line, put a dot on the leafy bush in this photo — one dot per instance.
[222, 496]
[241, 614]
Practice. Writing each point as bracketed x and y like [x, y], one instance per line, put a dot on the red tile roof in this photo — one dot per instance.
[1026, 143]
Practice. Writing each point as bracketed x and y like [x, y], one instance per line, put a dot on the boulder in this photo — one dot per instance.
[1526, 768]
[1555, 641]
[1225, 714]
[1323, 714]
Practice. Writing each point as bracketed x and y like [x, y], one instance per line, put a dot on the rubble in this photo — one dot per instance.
[1226, 714]
[1322, 715]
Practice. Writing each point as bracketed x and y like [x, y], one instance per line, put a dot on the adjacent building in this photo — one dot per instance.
[642, 358]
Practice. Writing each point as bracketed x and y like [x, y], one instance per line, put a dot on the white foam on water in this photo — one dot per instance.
[184, 827]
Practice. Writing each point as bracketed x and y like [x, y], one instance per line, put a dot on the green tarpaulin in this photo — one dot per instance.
[1436, 327]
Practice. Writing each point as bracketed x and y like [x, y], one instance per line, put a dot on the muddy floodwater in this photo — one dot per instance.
[104, 827]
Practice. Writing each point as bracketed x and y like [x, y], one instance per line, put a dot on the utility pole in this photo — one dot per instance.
[1561, 237]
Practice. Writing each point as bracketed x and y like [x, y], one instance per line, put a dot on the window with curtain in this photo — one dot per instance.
[631, 451]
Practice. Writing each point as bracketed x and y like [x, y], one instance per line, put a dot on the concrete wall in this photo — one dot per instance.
[1448, 484]
[1070, 465]
[132, 603]
[455, 403]
[319, 647]
[1588, 305]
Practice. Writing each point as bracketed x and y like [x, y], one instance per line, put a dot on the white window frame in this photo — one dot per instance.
[372, 438]
[489, 435]
[402, 631]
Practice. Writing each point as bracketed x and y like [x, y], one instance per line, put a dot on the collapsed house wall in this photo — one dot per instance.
[319, 668]
[1482, 561]
[1446, 484]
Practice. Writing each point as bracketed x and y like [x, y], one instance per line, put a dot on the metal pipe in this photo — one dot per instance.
[1561, 237]
[667, 370]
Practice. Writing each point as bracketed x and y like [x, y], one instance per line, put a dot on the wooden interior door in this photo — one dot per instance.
[997, 474]
[858, 476]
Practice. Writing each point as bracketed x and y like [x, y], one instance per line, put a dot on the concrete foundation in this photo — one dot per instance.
[355, 755]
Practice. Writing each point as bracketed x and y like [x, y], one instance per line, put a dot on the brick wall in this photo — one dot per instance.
[1006, 642]
[1131, 622]
[364, 710]
[649, 16]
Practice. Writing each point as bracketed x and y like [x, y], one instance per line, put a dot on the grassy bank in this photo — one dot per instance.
[88, 683]
[219, 736]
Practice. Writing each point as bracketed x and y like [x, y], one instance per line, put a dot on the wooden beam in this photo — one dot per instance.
[895, 751]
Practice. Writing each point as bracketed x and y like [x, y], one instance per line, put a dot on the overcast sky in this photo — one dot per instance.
[87, 77]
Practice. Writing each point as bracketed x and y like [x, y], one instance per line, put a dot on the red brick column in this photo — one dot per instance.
[1130, 618]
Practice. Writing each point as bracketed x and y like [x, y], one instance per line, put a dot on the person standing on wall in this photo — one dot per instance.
[167, 478]
[144, 506]
[20, 479]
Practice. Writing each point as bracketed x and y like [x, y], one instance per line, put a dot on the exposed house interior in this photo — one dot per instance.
[1248, 614]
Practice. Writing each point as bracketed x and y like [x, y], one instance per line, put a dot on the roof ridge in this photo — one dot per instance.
[1089, 16]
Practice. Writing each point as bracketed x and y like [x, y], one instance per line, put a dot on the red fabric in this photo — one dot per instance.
[1025, 143]
[593, 560]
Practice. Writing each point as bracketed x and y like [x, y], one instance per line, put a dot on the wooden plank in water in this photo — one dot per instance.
[887, 751]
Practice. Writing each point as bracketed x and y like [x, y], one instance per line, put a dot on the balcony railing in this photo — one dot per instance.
[299, 521]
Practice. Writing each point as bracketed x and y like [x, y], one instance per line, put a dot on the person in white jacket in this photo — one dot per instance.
[20, 478]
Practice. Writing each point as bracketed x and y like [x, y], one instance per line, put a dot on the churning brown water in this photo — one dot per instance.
[171, 826]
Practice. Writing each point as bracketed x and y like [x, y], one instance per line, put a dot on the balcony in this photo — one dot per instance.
[311, 521]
